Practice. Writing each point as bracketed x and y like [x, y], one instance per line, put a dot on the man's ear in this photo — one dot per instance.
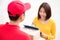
[20, 17]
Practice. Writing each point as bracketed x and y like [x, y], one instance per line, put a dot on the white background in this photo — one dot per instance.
[32, 13]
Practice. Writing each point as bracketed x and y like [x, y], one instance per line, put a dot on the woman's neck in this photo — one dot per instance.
[44, 21]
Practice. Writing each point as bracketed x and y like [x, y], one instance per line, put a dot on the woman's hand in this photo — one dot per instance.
[43, 35]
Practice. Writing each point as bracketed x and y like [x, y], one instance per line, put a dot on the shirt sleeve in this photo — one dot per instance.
[34, 22]
[25, 36]
[53, 31]
[1, 25]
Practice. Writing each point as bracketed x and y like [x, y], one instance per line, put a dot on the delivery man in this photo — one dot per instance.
[11, 30]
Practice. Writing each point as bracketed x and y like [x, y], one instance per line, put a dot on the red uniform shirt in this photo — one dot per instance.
[12, 32]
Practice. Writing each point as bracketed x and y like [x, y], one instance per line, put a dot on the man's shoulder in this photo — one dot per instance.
[1, 26]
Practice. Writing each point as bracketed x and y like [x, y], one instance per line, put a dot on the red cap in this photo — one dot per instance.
[18, 8]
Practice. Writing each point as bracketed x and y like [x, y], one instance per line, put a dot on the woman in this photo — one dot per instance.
[44, 23]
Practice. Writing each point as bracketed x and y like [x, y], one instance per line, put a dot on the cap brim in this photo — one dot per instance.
[27, 6]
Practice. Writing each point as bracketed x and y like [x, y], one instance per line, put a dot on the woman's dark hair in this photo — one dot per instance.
[47, 10]
[13, 18]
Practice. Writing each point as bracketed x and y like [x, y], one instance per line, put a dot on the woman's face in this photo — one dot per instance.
[42, 13]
